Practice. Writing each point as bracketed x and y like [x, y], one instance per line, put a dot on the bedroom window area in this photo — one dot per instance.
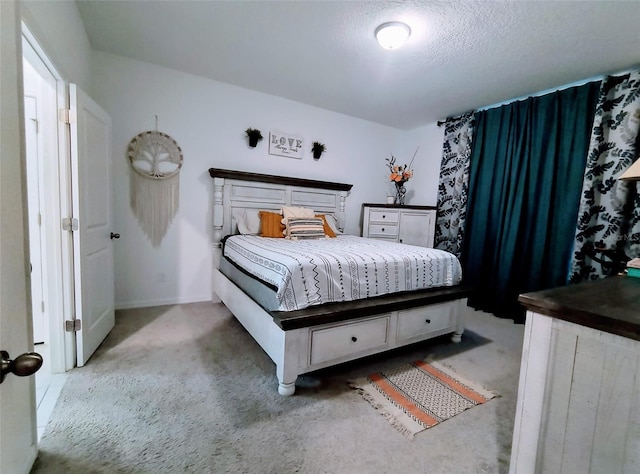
[526, 173]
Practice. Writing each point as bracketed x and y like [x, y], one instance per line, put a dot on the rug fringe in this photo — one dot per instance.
[403, 430]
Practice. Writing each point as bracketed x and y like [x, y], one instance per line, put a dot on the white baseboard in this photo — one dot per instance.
[164, 302]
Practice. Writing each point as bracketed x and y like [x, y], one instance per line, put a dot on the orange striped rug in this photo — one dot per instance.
[420, 395]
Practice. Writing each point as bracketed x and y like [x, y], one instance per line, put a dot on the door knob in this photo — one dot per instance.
[115, 236]
[23, 365]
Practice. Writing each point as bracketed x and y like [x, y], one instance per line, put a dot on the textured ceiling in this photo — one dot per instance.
[462, 55]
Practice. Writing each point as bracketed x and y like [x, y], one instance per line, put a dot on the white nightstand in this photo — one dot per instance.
[412, 225]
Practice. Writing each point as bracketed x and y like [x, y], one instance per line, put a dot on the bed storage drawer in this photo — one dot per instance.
[354, 338]
[416, 322]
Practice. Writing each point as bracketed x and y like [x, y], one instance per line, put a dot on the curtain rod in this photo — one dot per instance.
[622, 75]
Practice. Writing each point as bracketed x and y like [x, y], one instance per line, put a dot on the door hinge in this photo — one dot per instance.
[70, 223]
[42, 306]
[67, 116]
[72, 325]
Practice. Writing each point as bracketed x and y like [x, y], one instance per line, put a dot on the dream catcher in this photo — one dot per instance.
[156, 159]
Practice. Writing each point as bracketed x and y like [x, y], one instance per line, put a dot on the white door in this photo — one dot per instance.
[18, 435]
[91, 201]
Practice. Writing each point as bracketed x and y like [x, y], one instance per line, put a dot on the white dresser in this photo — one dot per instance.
[412, 225]
[578, 405]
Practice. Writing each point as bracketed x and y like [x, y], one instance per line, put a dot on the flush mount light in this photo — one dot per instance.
[393, 34]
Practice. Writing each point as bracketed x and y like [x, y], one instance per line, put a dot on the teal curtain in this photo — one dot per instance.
[527, 167]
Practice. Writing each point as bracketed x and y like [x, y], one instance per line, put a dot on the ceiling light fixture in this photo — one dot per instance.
[393, 34]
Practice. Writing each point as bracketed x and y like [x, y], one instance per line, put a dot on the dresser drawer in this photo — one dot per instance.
[422, 321]
[347, 339]
[383, 216]
[383, 230]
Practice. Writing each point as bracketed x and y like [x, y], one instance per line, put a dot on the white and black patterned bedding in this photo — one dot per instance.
[345, 268]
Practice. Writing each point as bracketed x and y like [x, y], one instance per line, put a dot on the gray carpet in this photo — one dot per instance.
[184, 389]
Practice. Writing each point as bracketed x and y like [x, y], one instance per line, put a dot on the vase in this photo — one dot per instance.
[400, 193]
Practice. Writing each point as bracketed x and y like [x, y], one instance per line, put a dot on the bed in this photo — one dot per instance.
[318, 333]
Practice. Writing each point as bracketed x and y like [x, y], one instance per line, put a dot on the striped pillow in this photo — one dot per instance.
[305, 228]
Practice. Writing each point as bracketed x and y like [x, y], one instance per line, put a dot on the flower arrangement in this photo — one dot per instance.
[400, 174]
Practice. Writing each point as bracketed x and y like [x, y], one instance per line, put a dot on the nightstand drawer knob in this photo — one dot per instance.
[354, 338]
[428, 321]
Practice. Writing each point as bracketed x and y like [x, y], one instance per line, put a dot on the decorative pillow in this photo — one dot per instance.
[295, 212]
[248, 221]
[305, 228]
[271, 225]
[328, 231]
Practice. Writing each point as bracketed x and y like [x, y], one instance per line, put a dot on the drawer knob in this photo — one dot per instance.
[428, 321]
[383, 229]
[383, 216]
[354, 338]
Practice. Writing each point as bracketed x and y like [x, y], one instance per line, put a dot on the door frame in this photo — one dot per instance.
[60, 292]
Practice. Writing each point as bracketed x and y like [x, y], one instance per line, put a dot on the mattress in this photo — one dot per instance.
[304, 273]
[263, 294]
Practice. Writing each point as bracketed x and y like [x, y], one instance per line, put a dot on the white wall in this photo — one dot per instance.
[57, 26]
[208, 119]
[423, 187]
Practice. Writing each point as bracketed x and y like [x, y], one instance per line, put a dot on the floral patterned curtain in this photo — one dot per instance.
[609, 213]
[453, 188]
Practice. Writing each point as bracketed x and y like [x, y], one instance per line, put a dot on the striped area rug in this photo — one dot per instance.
[420, 395]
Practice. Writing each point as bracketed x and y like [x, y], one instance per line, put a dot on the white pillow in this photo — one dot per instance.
[305, 228]
[248, 221]
[289, 212]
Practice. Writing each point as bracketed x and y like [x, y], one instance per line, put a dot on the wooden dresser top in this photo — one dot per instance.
[610, 304]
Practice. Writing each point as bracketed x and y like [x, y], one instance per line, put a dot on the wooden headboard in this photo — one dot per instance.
[234, 190]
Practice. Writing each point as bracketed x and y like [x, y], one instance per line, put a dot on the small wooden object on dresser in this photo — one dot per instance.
[411, 225]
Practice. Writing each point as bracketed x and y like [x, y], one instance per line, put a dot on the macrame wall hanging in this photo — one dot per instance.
[156, 160]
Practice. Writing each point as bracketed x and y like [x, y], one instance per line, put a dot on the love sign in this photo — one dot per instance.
[283, 144]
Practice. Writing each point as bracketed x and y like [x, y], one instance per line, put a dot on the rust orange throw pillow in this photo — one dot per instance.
[328, 231]
[271, 225]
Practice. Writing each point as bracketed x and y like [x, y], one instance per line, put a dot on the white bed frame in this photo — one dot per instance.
[321, 336]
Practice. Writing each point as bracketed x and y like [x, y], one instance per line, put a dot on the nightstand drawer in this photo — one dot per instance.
[420, 321]
[384, 215]
[388, 231]
[342, 341]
